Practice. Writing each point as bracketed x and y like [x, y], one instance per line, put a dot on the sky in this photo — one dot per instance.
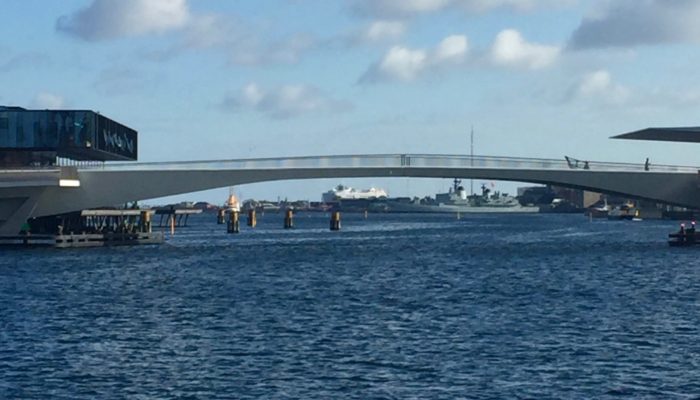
[210, 79]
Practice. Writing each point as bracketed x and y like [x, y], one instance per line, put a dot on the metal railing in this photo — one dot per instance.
[390, 161]
[24, 169]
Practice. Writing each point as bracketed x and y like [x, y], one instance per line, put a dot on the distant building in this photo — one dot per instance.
[546, 194]
[535, 195]
[206, 207]
[51, 137]
[577, 197]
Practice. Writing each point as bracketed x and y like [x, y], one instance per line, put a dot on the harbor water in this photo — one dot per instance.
[391, 307]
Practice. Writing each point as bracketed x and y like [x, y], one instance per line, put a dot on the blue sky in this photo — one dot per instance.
[210, 79]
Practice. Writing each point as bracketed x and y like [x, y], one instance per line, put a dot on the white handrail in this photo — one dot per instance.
[388, 161]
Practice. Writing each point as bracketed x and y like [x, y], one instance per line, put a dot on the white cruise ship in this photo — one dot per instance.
[341, 192]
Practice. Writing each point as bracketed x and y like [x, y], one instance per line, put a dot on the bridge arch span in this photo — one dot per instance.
[116, 184]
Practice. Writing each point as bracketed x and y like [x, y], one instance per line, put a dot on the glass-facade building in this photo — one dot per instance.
[36, 136]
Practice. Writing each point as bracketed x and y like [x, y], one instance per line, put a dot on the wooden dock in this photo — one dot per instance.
[88, 228]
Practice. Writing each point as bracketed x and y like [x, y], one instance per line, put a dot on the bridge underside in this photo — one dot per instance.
[99, 188]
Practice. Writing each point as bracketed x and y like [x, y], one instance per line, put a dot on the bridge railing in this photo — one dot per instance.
[391, 161]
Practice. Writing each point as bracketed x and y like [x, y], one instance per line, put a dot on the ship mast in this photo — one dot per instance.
[471, 142]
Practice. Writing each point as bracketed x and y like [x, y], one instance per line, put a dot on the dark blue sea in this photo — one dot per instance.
[391, 307]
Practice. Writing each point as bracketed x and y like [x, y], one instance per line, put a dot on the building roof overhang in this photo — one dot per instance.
[685, 134]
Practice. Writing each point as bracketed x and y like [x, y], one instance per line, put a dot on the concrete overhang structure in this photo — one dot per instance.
[685, 135]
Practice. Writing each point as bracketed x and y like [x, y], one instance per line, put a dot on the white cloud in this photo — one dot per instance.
[510, 49]
[405, 64]
[518, 5]
[404, 8]
[599, 89]
[48, 101]
[401, 63]
[283, 102]
[626, 23]
[453, 48]
[252, 95]
[239, 43]
[401, 8]
[599, 86]
[110, 19]
[383, 30]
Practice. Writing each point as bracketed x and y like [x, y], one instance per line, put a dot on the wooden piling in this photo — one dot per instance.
[145, 221]
[221, 216]
[234, 224]
[289, 219]
[335, 221]
[252, 221]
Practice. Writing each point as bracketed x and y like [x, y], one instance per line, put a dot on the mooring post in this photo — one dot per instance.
[335, 221]
[233, 222]
[221, 216]
[252, 221]
[289, 219]
[145, 221]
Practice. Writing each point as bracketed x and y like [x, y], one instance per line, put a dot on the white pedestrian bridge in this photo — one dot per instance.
[46, 191]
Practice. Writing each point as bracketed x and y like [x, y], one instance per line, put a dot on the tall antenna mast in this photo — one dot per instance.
[471, 142]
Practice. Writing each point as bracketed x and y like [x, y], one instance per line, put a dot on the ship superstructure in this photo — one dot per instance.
[340, 193]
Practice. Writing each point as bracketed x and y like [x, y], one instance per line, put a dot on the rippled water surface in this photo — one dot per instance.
[395, 307]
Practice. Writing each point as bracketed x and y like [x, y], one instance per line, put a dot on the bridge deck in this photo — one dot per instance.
[391, 161]
[116, 183]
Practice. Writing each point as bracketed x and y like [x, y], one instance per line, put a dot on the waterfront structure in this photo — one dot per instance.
[38, 192]
[44, 148]
[32, 192]
[41, 138]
